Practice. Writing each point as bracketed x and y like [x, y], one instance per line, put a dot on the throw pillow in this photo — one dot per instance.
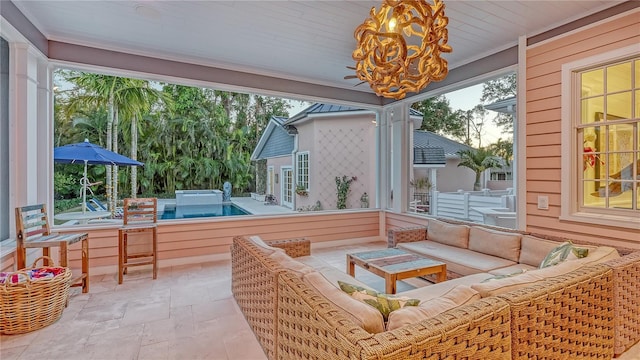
[504, 276]
[561, 253]
[385, 303]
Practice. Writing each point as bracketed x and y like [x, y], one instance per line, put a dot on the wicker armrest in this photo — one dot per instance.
[395, 236]
[293, 247]
[626, 297]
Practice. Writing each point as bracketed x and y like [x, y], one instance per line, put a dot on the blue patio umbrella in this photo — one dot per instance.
[89, 154]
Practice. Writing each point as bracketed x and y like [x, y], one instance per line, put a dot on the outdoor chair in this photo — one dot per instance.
[140, 220]
[96, 204]
[32, 231]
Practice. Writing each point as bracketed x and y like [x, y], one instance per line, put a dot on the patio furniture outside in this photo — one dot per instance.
[140, 217]
[32, 229]
[394, 265]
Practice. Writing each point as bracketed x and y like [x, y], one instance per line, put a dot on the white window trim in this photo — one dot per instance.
[569, 190]
[298, 154]
[283, 189]
[271, 183]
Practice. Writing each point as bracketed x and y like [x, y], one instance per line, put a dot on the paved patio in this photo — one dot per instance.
[187, 313]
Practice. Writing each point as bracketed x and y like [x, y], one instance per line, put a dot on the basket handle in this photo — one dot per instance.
[51, 263]
[7, 280]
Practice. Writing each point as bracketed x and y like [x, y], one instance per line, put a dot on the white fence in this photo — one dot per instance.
[460, 205]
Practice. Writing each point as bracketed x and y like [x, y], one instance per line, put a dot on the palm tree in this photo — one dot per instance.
[479, 161]
[131, 98]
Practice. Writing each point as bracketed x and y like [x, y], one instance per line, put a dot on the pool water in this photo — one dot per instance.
[198, 211]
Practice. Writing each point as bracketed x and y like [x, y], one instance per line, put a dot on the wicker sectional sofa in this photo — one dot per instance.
[574, 315]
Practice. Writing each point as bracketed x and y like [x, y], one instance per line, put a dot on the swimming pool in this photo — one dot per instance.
[172, 211]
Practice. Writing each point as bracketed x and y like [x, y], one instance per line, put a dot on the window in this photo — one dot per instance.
[302, 177]
[501, 175]
[605, 133]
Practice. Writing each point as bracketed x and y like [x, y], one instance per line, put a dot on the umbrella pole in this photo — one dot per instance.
[84, 189]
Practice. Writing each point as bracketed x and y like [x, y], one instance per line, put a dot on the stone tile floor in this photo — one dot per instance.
[187, 313]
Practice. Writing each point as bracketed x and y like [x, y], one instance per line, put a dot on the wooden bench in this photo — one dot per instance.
[32, 230]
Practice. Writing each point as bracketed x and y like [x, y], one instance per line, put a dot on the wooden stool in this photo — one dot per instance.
[32, 230]
[140, 216]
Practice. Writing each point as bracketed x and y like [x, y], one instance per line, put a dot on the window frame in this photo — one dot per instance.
[571, 208]
[299, 175]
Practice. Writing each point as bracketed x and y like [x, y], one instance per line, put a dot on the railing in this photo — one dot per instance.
[459, 205]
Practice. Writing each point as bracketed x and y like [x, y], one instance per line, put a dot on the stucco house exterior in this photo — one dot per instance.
[322, 142]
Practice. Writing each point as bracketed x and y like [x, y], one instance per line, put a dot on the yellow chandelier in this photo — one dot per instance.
[399, 47]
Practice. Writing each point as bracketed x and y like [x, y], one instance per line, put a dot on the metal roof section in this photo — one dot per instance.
[431, 156]
[425, 139]
[507, 106]
[319, 108]
[275, 140]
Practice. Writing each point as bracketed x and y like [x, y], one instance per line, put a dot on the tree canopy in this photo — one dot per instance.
[500, 89]
[439, 118]
[187, 137]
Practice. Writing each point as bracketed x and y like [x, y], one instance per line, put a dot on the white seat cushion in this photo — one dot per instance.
[455, 297]
[460, 261]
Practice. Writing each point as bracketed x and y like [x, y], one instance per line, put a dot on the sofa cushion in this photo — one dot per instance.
[449, 234]
[534, 249]
[512, 269]
[426, 293]
[330, 272]
[288, 262]
[363, 315]
[385, 303]
[496, 287]
[455, 297]
[497, 243]
[460, 261]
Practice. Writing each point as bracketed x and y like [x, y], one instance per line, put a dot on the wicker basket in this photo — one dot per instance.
[33, 304]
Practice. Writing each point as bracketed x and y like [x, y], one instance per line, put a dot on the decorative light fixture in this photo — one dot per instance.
[399, 47]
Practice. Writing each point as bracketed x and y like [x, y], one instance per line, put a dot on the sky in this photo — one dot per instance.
[466, 99]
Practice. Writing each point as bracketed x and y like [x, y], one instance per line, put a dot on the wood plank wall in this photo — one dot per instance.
[395, 220]
[543, 126]
[189, 238]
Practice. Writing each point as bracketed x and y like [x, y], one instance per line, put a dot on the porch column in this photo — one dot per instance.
[400, 157]
[23, 125]
[45, 134]
[382, 160]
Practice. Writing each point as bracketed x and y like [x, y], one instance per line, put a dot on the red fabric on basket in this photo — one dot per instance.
[33, 274]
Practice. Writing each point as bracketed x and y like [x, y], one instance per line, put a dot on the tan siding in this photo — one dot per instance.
[586, 37]
[544, 139]
[544, 163]
[548, 127]
[543, 151]
[543, 127]
[546, 80]
[544, 116]
[551, 102]
[179, 239]
[394, 220]
[543, 92]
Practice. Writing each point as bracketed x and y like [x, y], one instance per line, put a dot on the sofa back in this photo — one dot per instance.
[448, 234]
[576, 306]
[626, 294]
[497, 243]
[309, 326]
[254, 284]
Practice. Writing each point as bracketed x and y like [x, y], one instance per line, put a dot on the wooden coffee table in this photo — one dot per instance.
[395, 264]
